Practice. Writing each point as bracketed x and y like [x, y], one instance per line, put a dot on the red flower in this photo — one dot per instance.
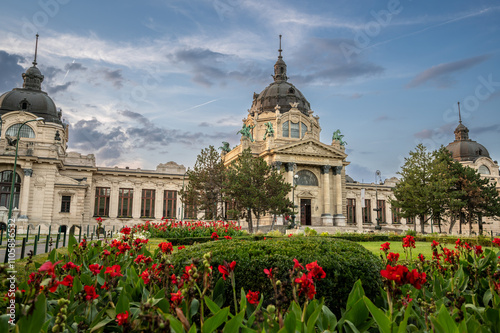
[269, 272]
[478, 250]
[215, 236]
[99, 220]
[49, 268]
[316, 271]
[226, 269]
[253, 297]
[145, 276]
[176, 298]
[416, 279]
[141, 258]
[95, 268]
[125, 230]
[106, 252]
[396, 274]
[122, 318]
[124, 247]
[409, 241]
[421, 257]
[166, 247]
[69, 266]
[181, 247]
[90, 293]
[173, 279]
[228, 237]
[67, 281]
[496, 241]
[434, 244]
[393, 257]
[113, 271]
[296, 264]
[306, 285]
[385, 247]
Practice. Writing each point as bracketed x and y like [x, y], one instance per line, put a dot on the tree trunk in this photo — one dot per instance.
[422, 228]
[272, 223]
[249, 220]
[480, 224]
[462, 217]
[453, 220]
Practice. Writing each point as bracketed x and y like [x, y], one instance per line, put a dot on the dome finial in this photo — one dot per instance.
[36, 49]
[459, 115]
[279, 56]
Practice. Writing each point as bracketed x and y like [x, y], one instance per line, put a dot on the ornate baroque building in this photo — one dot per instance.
[55, 187]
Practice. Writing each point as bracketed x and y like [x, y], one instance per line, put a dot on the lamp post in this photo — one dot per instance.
[11, 199]
[293, 197]
[377, 210]
[182, 210]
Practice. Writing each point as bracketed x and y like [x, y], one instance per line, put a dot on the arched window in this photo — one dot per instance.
[26, 131]
[303, 129]
[306, 178]
[5, 185]
[286, 124]
[483, 169]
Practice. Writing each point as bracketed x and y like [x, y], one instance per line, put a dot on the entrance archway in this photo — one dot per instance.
[305, 211]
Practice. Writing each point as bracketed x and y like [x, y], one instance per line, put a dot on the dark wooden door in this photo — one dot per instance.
[305, 211]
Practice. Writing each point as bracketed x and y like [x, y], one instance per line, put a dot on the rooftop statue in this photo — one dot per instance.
[269, 130]
[246, 131]
[338, 137]
[225, 147]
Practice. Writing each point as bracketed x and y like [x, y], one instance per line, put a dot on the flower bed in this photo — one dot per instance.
[172, 229]
[122, 287]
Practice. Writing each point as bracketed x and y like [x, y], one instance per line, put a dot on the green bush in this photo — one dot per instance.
[344, 262]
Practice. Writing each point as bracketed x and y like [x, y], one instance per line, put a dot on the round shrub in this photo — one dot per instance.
[344, 262]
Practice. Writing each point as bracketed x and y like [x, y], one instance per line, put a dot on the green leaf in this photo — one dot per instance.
[290, 322]
[4, 323]
[34, 323]
[311, 321]
[487, 297]
[214, 308]
[71, 243]
[77, 286]
[383, 322]
[101, 324]
[123, 303]
[443, 322]
[175, 324]
[218, 294]
[193, 328]
[404, 323]
[234, 324]
[195, 305]
[352, 326]
[212, 323]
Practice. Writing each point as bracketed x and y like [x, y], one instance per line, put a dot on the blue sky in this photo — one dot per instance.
[147, 82]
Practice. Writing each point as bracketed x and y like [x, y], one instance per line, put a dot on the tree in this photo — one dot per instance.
[205, 182]
[256, 188]
[424, 189]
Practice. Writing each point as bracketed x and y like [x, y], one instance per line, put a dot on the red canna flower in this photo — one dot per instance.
[393, 257]
[316, 271]
[296, 264]
[113, 271]
[95, 268]
[49, 268]
[434, 244]
[67, 281]
[409, 241]
[385, 247]
[306, 285]
[215, 236]
[122, 318]
[421, 257]
[90, 293]
[181, 247]
[69, 266]
[269, 272]
[253, 297]
[478, 250]
[166, 247]
[496, 241]
[125, 230]
[106, 252]
[226, 269]
[176, 298]
[228, 237]
[145, 276]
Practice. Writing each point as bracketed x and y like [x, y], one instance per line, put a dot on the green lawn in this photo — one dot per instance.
[397, 247]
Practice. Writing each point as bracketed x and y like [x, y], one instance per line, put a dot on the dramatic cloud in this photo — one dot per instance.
[485, 129]
[10, 71]
[74, 66]
[113, 76]
[439, 134]
[52, 90]
[439, 75]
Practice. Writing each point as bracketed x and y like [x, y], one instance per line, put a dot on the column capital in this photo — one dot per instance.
[290, 166]
[28, 172]
[325, 169]
[277, 165]
[337, 169]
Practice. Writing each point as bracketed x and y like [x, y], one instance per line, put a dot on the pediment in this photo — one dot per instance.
[60, 179]
[310, 148]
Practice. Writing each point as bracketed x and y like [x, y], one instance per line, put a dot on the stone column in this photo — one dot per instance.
[359, 213]
[159, 194]
[24, 196]
[113, 200]
[389, 212]
[339, 218]
[136, 204]
[326, 217]
[290, 167]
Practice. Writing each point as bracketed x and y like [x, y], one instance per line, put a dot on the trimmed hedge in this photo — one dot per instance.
[344, 262]
[374, 237]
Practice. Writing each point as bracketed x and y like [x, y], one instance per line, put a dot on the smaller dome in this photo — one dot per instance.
[465, 149]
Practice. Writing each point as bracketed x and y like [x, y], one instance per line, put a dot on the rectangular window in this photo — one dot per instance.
[303, 128]
[125, 199]
[169, 204]
[351, 210]
[294, 130]
[396, 217]
[410, 220]
[65, 203]
[230, 210]
[381, 215]
[101, 207]
[367, 212]
[148, 203]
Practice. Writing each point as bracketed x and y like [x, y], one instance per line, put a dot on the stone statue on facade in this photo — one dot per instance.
[225, 147]
[246, 131]
[269, 130]
[338, 137]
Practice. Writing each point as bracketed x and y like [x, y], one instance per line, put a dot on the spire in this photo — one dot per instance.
[461, 132]
[36, 49]
[33, 77]
[280, 67]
